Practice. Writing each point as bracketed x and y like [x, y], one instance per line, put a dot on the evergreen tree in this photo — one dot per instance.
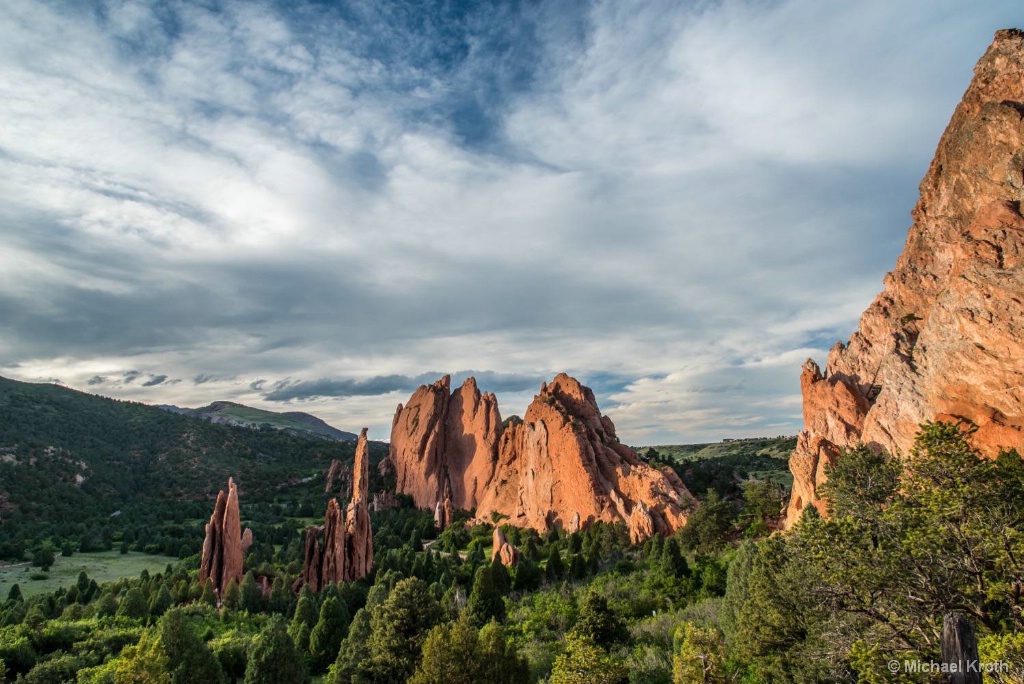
[232, 596]
[14, 594]
[497, 660]
[250, 599]
[304, 620]
[586, 663]
[189, 659]
[598, 623]
[330, 629]
[398, 628]
[273, 658]
[351, 665]
[161, 601]
[449, 655]
[133, 604]
[700, 657]
[486, 601]
[555, 569]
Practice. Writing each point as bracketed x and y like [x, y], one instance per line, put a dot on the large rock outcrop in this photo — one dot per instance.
[445, 442]
[341, 550]
[945, 338]
[221, 561]
[561, 466]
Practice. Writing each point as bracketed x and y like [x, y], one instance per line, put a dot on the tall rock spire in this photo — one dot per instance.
[341, 550]
[221, 561]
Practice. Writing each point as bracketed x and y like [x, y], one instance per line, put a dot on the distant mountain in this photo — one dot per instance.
[292, 422]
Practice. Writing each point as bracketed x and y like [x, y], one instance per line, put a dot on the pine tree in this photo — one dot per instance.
[250, 598]
[304, 620]
[133, 604]
[273, 658]
[232, 596]
[189, 659]
[330, 629]
[555, 568]
[161, 601]
[598, 623]
[486, 601]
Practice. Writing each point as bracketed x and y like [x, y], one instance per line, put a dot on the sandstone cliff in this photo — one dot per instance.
[945, 338]
[561, 466]
[221, 561]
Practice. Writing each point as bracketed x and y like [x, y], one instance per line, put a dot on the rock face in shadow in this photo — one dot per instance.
[945, 338]
[336, 477]
[561, 466]
[341, 550]
[221, 561]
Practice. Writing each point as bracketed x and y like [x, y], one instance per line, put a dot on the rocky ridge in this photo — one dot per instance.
[561, 466]
[945, 338]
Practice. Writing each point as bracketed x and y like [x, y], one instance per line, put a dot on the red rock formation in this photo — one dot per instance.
[441, 440]
[341, 550]
[945, 338]
[246, 541]
[359, 542]
[324, 558]
[221, 561]
[336, 477]
[384, 500]
[562, 466]
[361, 470]
[502, 550]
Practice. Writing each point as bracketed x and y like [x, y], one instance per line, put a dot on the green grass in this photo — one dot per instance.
[102, 566]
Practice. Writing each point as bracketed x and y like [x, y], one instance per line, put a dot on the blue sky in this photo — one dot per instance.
[318, 206]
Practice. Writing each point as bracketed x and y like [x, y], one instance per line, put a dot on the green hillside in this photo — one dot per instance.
[723, 466]
[81, 469]
[292, 422]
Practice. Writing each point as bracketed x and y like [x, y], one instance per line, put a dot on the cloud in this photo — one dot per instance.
[489, 381]
[292, 201]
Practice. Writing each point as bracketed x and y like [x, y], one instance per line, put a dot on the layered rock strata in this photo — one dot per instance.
[561, 466]
[945, 338]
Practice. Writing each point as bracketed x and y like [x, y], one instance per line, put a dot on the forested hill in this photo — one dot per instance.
[70, 456]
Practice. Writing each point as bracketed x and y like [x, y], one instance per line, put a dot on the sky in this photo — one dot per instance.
[319, 206]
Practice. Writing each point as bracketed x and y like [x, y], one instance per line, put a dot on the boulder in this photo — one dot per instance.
[502, 550]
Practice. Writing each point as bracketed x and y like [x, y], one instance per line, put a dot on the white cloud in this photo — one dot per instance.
[688, 200]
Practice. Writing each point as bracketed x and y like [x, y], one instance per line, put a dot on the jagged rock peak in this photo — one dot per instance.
[944, 339]
[561, 465]
[361, 470]
[221, 560]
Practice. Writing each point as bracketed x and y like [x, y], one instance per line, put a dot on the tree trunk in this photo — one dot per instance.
[960, 650]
